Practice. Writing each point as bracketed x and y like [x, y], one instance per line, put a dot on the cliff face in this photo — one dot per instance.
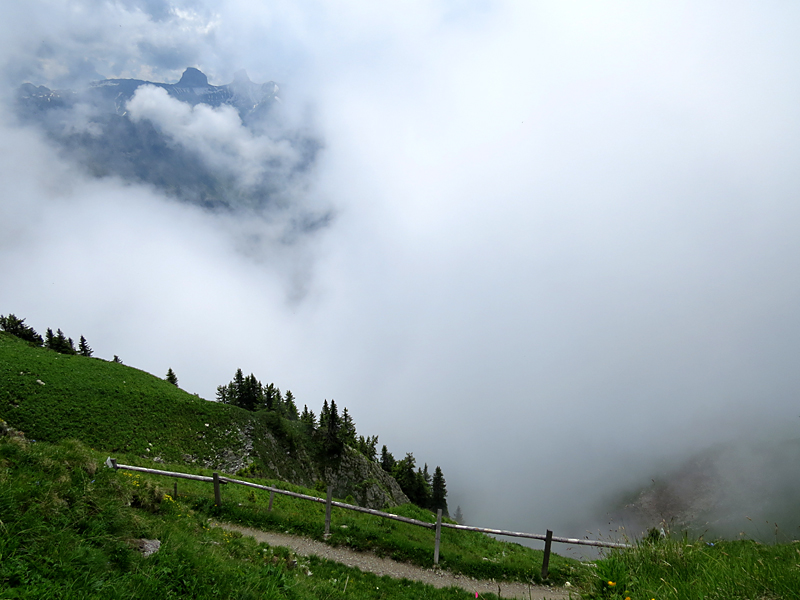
[256, 449]
[366, 481]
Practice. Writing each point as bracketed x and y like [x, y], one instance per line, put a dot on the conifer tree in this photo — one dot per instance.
[329, 442]
[83, 348]
[410, 480]
[458, 517]
[348, 431]
[324, 414]
[171, 377]
[223, 394]
[16, 326]
[309, 419]
[368, 447]
[117, 359]
[387, 460]
[439, 492]
[290, 406]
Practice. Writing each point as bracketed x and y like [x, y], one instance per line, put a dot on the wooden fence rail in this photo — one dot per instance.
[218, 480]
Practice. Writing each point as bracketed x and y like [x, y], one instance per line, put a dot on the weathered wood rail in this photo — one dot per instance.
[329, 502]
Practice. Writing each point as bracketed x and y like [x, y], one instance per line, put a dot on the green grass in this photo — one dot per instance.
[469, 553]
[67, 523]
[688, 569]
[136, 416]
[122, 409]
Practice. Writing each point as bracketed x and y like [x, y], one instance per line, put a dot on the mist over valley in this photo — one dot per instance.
[554, 247]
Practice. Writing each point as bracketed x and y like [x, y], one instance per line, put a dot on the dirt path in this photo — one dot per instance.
[386, 566]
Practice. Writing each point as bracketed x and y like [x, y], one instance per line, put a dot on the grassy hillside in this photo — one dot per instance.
[53, 396]
[138, 417]
[70, 529]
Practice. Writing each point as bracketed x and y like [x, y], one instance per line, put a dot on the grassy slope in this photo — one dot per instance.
[108, 405]
[65, 520]
[67, 524]
[122, 410]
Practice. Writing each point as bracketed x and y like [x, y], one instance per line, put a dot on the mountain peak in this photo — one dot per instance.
[193, 78]
[241, 77]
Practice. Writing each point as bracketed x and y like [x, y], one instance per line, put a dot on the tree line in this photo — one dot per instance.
[329, 433]
[54, 341]
[332, 431]
[57, 341]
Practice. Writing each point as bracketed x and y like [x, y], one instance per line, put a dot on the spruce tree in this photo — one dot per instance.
[368, 447]
[458, 517]
[387, 460]
[309, 419]
[16, 326]
[439, 491]
[406, 476]
[83, 347]
[290, 406]
[222, 394]
[329, 442]
[348, 432]
[171, 377]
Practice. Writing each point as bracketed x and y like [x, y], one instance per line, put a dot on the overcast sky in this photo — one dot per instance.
[564, 247]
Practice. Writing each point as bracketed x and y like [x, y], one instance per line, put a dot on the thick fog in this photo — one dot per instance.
[552, 247]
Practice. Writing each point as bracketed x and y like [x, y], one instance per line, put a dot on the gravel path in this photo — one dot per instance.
[386, 566]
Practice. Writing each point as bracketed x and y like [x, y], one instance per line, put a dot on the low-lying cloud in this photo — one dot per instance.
[565, 254]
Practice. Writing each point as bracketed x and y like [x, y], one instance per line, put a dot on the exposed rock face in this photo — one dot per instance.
[366, 481]
[356, 476]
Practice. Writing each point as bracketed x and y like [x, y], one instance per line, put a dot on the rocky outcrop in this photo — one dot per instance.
[255, 450]
[366, 481]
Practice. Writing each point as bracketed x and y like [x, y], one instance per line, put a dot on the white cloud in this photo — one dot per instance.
[567, 246]
[217, 135]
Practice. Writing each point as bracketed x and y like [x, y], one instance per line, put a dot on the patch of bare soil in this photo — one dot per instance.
[385, 566]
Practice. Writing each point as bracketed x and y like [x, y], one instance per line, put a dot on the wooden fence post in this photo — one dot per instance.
[217, 494]
[271, 498]
[548, 540]
[328, 512]
[175, 490]
[438, 536]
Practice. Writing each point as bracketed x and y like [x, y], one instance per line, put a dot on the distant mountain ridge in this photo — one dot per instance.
[93, 127]
[251, 100]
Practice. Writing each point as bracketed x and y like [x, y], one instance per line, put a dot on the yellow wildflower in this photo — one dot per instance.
[611, 583]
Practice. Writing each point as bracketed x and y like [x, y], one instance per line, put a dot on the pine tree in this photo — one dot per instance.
[368, 447]
[459, 516]
[59, 342]
[329, 442]
[238, 387]
[439, 492]
[49, 339]
[15, 326]
[348, 432]
[309, 419]
[269, 397]
[290, 406]
[83, 347]
[387, 460]
[324, 414]
[117, 359]
[222, 394]
[171, 377]
[410, 480]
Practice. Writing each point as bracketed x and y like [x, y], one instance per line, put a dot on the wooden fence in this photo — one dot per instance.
[218, 481]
